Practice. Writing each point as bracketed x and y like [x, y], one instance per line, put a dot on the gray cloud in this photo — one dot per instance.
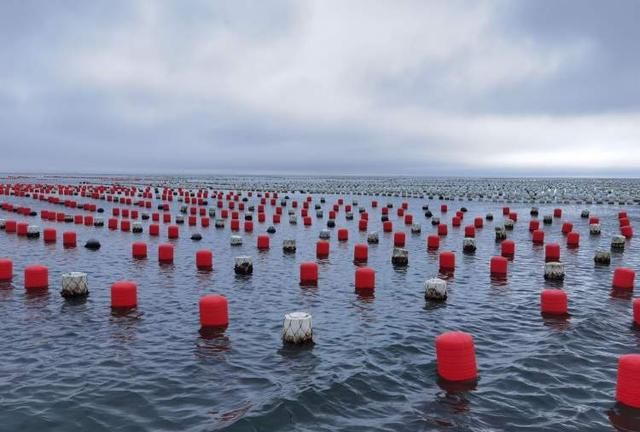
[409, 87]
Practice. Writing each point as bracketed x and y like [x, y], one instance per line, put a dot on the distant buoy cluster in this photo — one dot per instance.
[133, 212]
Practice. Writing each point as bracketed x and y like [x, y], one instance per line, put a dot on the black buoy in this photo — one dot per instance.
[92, 244]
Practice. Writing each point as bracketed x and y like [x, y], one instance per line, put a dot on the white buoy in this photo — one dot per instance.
[98, 222]
[325, 234]
[2, 223]
[373, 238]
[33, 231]
[136, 227]
[617, 242]
[74, 284]
[602, 257]
[469, 244]
[501, 233]
[289, 246]
[293, 219]
[594, 229]
[435, 289]
[235, 240]
[400, 257]
[416, 228]
[297, 328]
[243, 265]
[219, 223]
[554, 271]
[508, 224]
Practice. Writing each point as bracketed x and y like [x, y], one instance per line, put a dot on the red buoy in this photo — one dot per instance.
[567, 227]
[537, 237]
[22, 228]
[455, 221]
[125, 225]
[248, 226]
[10, 226]
[307, 221]
[636, 311]
[534, 225]
[322, 249]
[399, 239]
[343, 234]
[552, 252]
[508, 248]
[499, 266]
[573, 239]
[263, 242]
[139, 250]
[165, 253]
[69, 239]
[308, 273]
[365, 278]
[456, 356]
[447, 262]
[154, 230]
[443, 230]
[443, 208]
[124, 295]
[627, 231]
[624, 278]
[204, 260]
[49, 235]
[470, 231]
[6, 269]
[628, 383]
[408, 219]
[433, 242]
[553, 302]
[214, 311]
[173, 231]
[363, 224]
[478, 222]
[360, 253]
[36, 277]
[557, 213]
[387, 226]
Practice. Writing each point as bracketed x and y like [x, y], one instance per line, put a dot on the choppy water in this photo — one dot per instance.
[74, 366]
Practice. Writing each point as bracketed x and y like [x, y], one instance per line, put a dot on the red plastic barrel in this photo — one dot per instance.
[499, 266]
[433, 242]
[456, 356]
[447, 261]
[624, 278]
[6, 269]
[214, 311]
[36, 277]
[322, 249]
[204, 259]
[628, 383]
[365, 278]
[308, 273]
[360, 252]
[139, 250]
[124, 294]
[553, 302]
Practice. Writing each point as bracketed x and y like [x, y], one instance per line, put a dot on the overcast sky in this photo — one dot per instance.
[343, 87]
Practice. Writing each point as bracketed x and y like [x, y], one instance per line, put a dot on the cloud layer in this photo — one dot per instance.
[358, 87]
